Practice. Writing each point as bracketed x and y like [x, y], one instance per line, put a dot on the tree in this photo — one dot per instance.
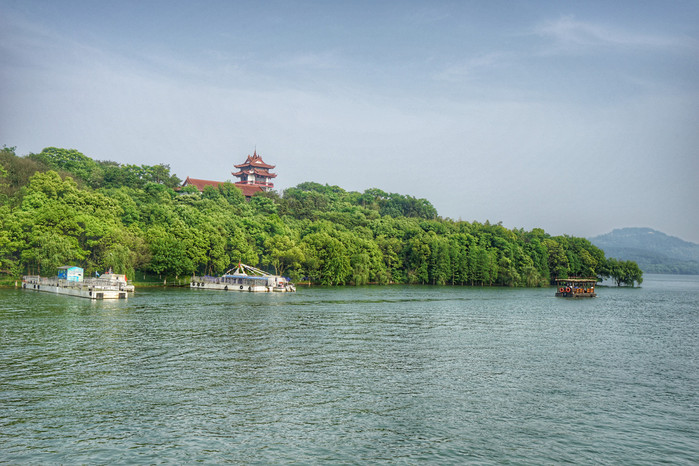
[17, 171]
[209, 192]
[169, 255]
[47, 251]
[439, 264]
[231, 193]
[283, 253]
[12, 242]
[483, 265]
[417, 254]
[263, 204]
[390, 251]
[507, 274]
[626, 272]
[460, 245]
[72, 161]
[557, 258]
[326, 258]
[360, 268]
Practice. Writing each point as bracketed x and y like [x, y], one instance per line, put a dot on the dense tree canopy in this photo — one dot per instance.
[61, 207]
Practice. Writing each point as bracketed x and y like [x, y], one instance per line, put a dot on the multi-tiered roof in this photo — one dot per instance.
[255, 172]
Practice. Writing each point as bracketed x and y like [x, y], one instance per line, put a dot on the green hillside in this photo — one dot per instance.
[61, 207]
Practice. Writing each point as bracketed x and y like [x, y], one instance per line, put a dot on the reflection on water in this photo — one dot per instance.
[366, 375]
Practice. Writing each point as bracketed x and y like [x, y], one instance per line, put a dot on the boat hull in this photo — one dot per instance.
[245, 288]
[564, 294]
[244, 278]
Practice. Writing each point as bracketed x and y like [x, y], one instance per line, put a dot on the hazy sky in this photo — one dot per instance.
[576, 117]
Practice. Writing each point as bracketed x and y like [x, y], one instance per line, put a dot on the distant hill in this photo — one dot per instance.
[652, 250]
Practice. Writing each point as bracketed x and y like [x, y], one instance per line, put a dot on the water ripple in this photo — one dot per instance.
[356, 375]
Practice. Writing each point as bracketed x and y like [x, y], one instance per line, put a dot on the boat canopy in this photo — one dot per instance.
[574, 281]
[246, 270]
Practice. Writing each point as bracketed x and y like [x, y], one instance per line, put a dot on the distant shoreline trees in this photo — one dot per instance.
[61, 207]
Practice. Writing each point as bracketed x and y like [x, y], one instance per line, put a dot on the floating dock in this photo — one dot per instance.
[70, 282]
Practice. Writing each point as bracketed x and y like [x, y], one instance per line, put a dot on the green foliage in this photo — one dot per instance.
[16, 172]
[622, 272]
[231, 193]
[69, 160]
[61, 207]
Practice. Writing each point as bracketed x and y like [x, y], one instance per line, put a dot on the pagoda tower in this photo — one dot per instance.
[254, 172]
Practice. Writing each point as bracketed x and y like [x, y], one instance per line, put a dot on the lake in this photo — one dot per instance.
[400, 374]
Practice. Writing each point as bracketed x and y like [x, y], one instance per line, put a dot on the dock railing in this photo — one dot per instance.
[90, 283]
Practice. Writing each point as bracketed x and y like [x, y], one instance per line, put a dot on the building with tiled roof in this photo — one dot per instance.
[253, 177]
[200, 184]
[248, 190]
[254, 172]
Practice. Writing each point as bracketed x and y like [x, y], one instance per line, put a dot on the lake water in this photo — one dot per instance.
[444, 375]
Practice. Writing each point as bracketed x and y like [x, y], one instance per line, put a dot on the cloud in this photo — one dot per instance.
[568, 34]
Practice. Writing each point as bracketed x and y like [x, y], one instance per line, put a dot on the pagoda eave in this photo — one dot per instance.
[254, 165]
[256, 173]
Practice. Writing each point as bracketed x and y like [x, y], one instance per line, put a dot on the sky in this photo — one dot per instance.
[577, 117]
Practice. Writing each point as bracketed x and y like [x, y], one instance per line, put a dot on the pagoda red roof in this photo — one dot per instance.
[253, 165]
[201, 184]
[247, 189]
[255, 161]
[256, 172]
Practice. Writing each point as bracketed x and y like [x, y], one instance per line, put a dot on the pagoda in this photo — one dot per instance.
[254, 172]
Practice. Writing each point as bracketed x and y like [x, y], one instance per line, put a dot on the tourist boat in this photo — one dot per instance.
[576, 287]
[70, 281]
[243, 278]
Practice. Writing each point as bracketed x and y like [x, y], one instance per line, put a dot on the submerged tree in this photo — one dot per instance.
[623, 272]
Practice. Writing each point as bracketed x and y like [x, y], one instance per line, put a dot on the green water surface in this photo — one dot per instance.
[445, 375]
